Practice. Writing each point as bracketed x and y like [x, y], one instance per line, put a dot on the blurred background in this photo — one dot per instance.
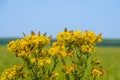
[52, 16]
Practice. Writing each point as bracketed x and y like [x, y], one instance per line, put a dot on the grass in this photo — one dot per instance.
[7, 59]
[109, 57]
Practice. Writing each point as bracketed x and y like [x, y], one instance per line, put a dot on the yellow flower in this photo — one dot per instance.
[47, 60]
[54, 50]
[44, 52]
[22, 53]
[97, 61]
[33, 60]
[78, 35]
[87, 48]
[63, 54]
[98, 72]
[55, 74]
[67, 69]
[99, 37]
[84, 48]
[41, 62]
[12, 73]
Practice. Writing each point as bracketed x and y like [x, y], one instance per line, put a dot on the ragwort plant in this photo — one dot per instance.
[72, 50]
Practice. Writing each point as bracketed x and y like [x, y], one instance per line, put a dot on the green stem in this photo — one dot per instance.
[63, 61]
[54, 65]
[67, 77]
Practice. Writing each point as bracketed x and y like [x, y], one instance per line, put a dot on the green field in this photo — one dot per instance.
[109, 57]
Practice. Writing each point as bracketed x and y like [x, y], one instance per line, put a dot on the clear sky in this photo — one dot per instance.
[52, 16]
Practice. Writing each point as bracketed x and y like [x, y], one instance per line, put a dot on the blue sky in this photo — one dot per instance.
[52, 16]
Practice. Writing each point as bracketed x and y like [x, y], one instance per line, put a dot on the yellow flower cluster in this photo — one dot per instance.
[33, 60]
[37, 41]
[42, 62]
[55, 74]
[85, 41]
[70, 37]
[98, 72]
[87, 48]
[30, 44]
[95, 62]
[67, 69]
[14, 73]
[58, 49]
